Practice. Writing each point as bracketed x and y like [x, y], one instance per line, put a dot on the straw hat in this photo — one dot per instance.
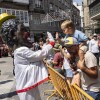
[56, 47]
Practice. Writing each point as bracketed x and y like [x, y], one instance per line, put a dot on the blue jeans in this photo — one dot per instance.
[95, 95]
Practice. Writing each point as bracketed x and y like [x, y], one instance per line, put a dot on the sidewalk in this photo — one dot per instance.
[7, 81]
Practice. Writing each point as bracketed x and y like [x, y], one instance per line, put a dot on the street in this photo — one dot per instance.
[7, 82]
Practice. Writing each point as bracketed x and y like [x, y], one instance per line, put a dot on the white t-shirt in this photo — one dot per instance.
[87, 82]
[66, 64]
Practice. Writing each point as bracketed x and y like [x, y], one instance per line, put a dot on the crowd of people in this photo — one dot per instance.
[76, 57]
[4, 49]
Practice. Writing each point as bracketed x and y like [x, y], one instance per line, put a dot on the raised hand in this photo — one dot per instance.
[50, 37]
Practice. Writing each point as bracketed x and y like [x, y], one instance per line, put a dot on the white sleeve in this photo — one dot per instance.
[90, 45]
[34, 56]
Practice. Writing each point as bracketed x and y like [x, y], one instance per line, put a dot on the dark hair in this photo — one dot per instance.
[20, 40]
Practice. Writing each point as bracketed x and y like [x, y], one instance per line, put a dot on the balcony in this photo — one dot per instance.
[95, 12]
[51, 26]
[36, 8]
[39, 9]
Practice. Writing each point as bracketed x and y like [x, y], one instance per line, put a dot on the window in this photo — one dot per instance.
[59, 0]
[3, 10]
[25, 17]
[18, 15]
[56, 8]
[90, 1]
[51, 6]
[21, 15]
[36, 19]
[38, 3]
[8, 11]
[13, 12]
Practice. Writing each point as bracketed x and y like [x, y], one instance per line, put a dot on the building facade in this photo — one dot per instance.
[41, 15]
[80, 7]
[19, 8]
[87, 20]
[76, 17]
[94, 7]
[47, 15]
[91, 16]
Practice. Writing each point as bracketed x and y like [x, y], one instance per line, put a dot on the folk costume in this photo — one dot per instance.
[30, 71]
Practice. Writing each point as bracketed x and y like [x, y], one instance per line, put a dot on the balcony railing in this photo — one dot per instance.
[95, 10]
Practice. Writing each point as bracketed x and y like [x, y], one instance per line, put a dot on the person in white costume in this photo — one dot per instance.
[30, 71]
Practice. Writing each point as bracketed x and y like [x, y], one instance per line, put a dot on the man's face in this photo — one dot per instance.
[95, 37]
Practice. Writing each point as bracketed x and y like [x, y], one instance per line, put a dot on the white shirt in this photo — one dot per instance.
[66, 64]
[93, 46]
[87, 82]
[29, 67]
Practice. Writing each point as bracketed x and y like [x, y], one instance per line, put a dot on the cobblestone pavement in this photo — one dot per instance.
[7, 81]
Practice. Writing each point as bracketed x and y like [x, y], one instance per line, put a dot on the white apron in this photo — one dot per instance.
[30, 72]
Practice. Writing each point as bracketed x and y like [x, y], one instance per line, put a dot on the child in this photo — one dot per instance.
[68, 28]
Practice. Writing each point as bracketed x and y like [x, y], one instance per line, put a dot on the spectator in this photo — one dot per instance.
[30, 71]
[69, 59]
[68, 28]
[41, 43]
[36, 46]
[58, 59]
[1, 48]
[99, 47]
[94, 47]
[90, 78]
[5, 50]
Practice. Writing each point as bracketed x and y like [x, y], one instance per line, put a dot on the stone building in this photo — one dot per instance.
[47, 15]
[80, 7]
[94, 7]
[40, 15]
[92, 16]
[76, 17]
[87, 26]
